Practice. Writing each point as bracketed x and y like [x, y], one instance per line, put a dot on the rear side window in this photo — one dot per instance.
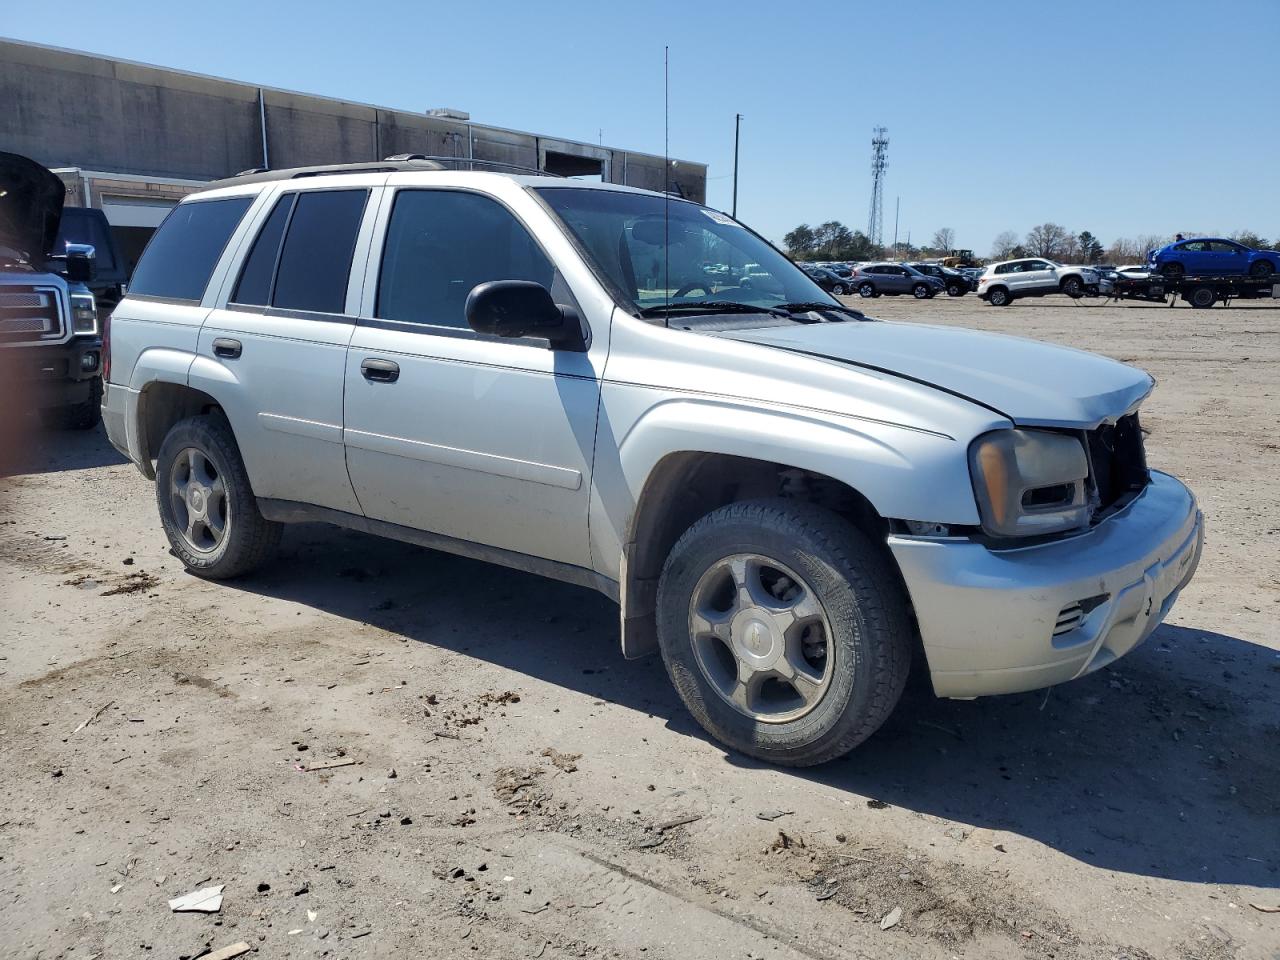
[442, 243]
[260, 268]
[181, 256]
[315, 262]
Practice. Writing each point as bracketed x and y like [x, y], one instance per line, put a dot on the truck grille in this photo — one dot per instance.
[1117, 460]
[30, 314]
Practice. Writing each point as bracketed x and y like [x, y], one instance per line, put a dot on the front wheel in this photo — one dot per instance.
[956, 290]
[1073, 287]
[921, 291]
[866, 290]
[84, 415]
[1172, 271]
[783, 630]
[1202, 298]
[838, 289]
[207, 507]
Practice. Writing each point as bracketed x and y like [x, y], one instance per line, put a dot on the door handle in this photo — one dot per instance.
[379, 371]
[226, 347]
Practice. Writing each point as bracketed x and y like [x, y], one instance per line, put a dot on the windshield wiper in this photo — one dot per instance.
[710, 307]
[818, 306]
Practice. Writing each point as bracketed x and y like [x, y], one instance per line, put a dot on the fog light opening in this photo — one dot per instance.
[88, 362]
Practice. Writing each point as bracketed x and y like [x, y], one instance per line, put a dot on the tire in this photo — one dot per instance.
[1202, 297]
[1261, 269]
[84, 415]
[838, 289]
[864, 630]
[1091, 290]
[999, 297]
[867, 291]
[921, 291]
[956, 290]
[247, 539]
[1172, 271]
[1073, 287]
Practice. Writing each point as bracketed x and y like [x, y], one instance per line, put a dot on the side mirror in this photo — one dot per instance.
[522, 308]
[80, 262]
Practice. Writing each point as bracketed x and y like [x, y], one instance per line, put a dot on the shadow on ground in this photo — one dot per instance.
[30, 448]
[1165, 765]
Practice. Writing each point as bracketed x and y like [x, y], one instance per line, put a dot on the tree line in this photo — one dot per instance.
[834, 241]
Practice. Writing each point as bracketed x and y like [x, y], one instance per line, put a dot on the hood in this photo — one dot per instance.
[30, 206]
[1030, 383]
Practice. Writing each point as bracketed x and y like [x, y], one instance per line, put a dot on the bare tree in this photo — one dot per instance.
[944, 239]
[1047, 240]
[1147, 242]
[1004, 244]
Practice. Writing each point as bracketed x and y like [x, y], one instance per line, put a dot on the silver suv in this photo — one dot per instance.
[785, 498]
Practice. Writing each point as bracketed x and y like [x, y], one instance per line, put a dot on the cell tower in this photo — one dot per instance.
[879, 160]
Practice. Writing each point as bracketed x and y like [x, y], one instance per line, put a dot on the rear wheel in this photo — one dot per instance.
[783, 630]
[866, 290]
[999, 297]
[1202, 297]
[206, 505]
[838, 289]
[1261, 269]
[921, 291]
[954, 289]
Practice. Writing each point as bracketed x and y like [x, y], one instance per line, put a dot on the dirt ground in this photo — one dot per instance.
[514, 788]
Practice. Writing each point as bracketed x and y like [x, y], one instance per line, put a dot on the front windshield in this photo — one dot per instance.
[654, 253]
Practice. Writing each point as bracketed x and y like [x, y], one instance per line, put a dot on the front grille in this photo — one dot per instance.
[1117, 460]
[30, 314]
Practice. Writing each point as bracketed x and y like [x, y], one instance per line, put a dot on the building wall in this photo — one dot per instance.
[68, 109]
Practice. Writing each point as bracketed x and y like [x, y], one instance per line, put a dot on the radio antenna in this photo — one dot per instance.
[666, 180]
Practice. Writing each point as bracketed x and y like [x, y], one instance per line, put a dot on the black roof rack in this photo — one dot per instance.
[396, 163]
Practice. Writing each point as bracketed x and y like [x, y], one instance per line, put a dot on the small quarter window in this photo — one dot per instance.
[181, 256]
[260, 267]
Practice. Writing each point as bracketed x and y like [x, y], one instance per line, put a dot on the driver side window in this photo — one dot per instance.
[440, 244]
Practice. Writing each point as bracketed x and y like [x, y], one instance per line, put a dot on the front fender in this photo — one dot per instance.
[904, 472]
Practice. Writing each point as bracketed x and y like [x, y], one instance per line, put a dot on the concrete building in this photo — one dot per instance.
[133, 139]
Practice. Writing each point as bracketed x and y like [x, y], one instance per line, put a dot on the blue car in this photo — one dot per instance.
[1212, 257]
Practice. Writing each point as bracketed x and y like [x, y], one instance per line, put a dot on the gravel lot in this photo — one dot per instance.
[518, 789]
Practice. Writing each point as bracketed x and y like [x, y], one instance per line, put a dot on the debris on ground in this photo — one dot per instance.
[133, 583]
[204, 900]
[876, 804]
[773, 814]
[680, 822]
[328, 764]
[92, 717]
[226, 953]
[891, 918]
[1259, 907]
[566, 762]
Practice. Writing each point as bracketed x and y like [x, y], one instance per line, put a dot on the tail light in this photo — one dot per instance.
[106, 349]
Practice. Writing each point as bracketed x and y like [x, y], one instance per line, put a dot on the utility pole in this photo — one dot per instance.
[737, 131]
[897, 203]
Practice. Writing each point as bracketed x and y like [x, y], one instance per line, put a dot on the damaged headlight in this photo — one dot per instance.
[1029, 482]
[84, 313]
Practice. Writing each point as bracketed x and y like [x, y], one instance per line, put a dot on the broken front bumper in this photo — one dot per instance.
[1013, 620]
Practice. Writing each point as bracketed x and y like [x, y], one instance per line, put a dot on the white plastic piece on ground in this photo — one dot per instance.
[204, 900]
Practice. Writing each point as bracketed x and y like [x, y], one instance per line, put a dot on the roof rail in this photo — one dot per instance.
[472, 163]
[257, 175]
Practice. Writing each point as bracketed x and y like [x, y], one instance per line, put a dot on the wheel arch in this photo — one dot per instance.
[161, 404]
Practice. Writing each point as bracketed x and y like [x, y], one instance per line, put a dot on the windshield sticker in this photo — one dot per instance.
[719, 217]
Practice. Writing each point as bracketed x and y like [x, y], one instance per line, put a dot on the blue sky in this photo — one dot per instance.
[1119, 118]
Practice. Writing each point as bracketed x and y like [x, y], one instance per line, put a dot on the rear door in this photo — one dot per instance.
[473, 437]
[274, 349]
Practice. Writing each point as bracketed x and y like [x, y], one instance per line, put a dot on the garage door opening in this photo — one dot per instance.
[568, 165]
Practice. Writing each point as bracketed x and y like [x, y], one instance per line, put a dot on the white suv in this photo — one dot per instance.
[783, 496]
[1002, 283]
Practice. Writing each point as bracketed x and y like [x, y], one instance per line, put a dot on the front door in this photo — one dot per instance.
[453, 432]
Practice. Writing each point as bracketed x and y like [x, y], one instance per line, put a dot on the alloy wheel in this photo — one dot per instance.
[198, 494]
[761, 638]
